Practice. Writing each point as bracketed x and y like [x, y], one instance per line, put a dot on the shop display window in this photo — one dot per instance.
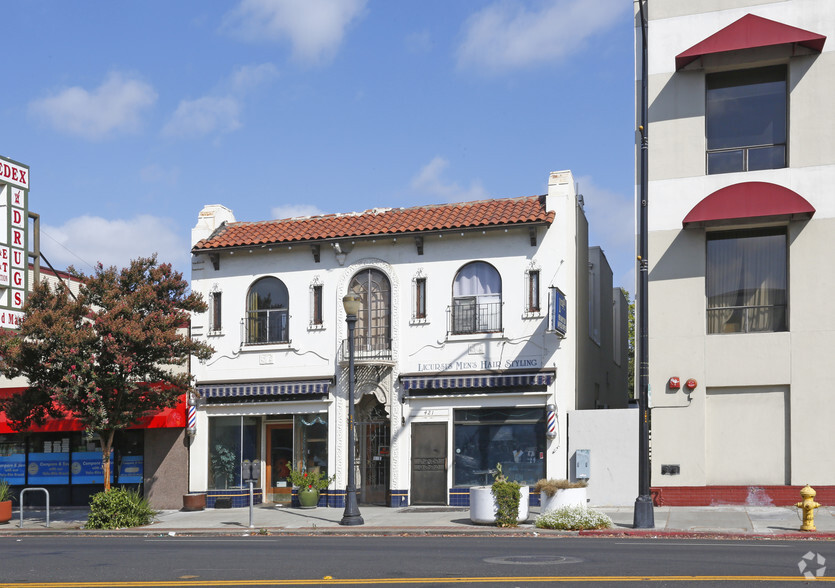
[311, 442]
[231, 441]
[513, 437]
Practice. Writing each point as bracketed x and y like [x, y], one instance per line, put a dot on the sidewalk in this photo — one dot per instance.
[671, 522]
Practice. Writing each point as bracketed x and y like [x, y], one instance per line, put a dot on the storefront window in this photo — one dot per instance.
[12, 460]
[513, 437]
[231, 441]
[311, 442]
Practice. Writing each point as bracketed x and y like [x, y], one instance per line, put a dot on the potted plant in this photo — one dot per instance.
[556, 494]
[505, 503]
[5, 502]
[309, 485]
[223, 465]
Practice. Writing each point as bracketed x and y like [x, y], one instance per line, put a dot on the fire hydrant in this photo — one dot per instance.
[808, 505]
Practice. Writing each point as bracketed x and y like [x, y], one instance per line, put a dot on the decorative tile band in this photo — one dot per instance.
[234, 498]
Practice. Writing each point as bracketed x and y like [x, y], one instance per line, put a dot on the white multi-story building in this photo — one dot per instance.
[741, 226]
[458, 352]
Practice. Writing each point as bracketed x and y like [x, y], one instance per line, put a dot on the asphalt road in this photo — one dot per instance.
[416, 561]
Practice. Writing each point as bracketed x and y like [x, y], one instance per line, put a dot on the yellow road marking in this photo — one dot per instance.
[372, 581]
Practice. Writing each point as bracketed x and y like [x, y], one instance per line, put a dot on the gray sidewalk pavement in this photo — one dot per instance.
[730, 521]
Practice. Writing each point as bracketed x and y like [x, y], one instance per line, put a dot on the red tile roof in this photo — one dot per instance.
[385, 221]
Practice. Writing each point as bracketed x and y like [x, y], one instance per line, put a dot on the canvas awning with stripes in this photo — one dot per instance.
[311, 387]
[476, 381]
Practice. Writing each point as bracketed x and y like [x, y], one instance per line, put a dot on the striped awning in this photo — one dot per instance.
[314, 387]
[449, 382]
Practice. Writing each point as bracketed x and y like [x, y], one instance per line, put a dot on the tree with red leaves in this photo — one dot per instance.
[110, 356]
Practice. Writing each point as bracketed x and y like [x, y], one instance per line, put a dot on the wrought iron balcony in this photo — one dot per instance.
[466, 316]
[261, 327]
[368, 350]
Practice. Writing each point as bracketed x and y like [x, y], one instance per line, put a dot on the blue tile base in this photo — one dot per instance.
[239, 496]
[398, 498]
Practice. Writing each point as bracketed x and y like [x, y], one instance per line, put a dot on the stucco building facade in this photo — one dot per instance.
[741, 223]
[475, 320]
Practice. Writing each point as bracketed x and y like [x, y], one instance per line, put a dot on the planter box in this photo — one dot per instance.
[196, 501]
[483, 507]
[5, 511]
[562, 498]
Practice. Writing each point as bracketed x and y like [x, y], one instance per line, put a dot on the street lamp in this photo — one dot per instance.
[351, 516]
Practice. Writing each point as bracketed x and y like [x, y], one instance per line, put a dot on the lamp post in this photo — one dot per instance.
[351, 515]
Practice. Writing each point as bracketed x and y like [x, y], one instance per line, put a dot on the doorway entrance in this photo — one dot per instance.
[279, 462]
[429, 463]
[373, 449]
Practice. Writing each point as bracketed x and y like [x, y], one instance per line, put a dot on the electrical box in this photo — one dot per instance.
[582, 464]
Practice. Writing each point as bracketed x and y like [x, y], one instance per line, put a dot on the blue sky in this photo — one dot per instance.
[132, 115]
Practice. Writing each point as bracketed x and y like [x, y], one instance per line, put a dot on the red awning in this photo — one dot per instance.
[751, 32]
[749, 202]
[167, 418]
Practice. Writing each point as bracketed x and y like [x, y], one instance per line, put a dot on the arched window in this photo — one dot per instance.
[477, 299]
[373, 328]
[267, 312]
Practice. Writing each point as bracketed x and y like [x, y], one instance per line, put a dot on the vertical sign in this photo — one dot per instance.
[14, 244]
[560, 310]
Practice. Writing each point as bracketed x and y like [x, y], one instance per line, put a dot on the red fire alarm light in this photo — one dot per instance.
[674, 383]
[691, 384]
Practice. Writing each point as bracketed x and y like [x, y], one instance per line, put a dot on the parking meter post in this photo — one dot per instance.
[251, 526]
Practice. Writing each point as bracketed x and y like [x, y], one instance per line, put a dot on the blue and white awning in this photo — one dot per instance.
[448, 382]
[313, 387]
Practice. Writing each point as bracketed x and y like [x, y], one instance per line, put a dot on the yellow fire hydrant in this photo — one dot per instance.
[808, 505]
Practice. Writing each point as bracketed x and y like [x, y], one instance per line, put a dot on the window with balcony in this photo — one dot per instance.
[747, 281]
[372, 333]
[746, 120]
[476, 300]
[267, 312]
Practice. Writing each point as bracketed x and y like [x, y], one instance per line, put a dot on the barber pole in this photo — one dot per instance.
[191, 427]
[551, 417]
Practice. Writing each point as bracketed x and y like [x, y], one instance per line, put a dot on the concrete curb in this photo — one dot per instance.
[366, 531]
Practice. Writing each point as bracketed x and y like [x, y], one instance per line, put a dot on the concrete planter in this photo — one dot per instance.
[562, 498]
[483, 507]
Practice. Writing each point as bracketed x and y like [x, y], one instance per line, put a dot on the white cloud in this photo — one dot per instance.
[85, 240]
[429, 181]
[315, 28]
[294, 210]
[218, 112]
[509, 35]
[611, 217]
[115, 106]
[248, 77]
[210, 114]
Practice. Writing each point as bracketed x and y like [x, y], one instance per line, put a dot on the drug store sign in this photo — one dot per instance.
[14, 259]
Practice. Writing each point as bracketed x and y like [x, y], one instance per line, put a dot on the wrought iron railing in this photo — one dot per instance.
[466, 316]
[266, 326]
[368, 347]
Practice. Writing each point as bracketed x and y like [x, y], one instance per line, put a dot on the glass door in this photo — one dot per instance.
[279, 462]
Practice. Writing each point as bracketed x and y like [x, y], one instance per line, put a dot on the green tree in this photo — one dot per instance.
[630, 342]
[109, 356]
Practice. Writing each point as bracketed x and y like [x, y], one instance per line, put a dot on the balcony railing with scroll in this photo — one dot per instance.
[370, 346]
[265, 326]
[466, 316]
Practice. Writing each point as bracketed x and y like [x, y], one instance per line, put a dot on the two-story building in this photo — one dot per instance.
[476, 321]
[741, 226]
